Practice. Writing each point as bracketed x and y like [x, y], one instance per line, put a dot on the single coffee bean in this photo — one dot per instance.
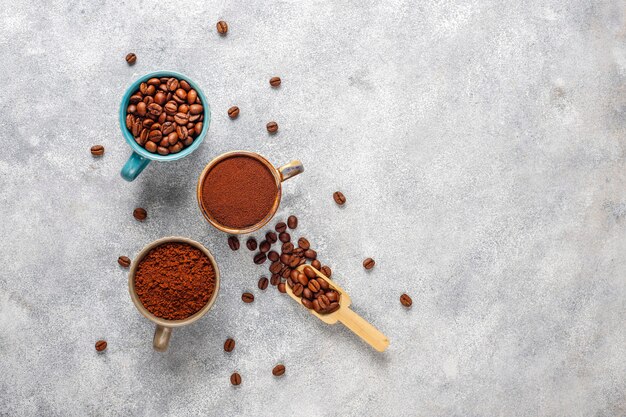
[324, 301]
[247, 297]
[297, 289]
[284, 237]
[272, 127]
[233, 242]
[292, 222]
[306, 293]
[171, 107]
[309, 272]
[303, 243]
[286, 272]
[275, 279]
[140, 214]
[275, 81]
[298, 251]
[259, 258]
[273, 256]
[369, 263]
[263, 283]
[295, 261]
[124, 261]
[264, 246]
[97, 150]
[332, 296]
[280, 227]
[306, 302]
[185, 85]
[287, 248]
[131, 58]
[172, 84]
[290, 282]
[285, 258]
[271, 237]
[151, 146]
[101, 345]
[160, 98]
[162, 150]
[276, 267]
[339, 198]
[251, 243]
[235, 379]
[314, 286]
[406, 300]
[326, 271]
[310, 254]
[181, 118]
[332, 308]
[222, 27]
[229, 345]
[316, 264]
[324, 285]
[233, 112]
[278, 370]
[192, 95]
[281, 287]
[294, 274]
[182, 94]
[316, 306]
[302, 279]
[172, 138]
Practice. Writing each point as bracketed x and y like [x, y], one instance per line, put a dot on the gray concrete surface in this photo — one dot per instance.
[480, 144]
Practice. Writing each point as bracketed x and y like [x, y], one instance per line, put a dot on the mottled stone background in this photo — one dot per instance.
[480, 145]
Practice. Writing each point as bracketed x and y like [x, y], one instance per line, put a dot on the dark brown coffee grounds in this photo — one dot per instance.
[239, 192]
[174, 281]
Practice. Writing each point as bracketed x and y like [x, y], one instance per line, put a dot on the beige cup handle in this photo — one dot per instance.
[161, 339]
[291, 169]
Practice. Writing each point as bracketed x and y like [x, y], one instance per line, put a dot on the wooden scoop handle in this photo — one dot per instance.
[363, 329]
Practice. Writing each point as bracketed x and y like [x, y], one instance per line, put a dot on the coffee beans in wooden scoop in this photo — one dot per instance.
[101, 345]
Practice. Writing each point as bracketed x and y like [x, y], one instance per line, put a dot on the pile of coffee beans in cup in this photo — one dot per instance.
[165, 115]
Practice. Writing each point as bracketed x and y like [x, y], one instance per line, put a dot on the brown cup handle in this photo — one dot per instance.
[161, 339]
[291, 169]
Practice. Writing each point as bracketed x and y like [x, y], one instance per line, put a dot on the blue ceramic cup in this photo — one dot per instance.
[140, 158]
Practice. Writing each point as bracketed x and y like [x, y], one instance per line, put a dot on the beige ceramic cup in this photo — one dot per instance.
[164, 327]
[280, 174]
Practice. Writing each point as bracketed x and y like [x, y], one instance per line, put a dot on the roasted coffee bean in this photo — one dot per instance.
[287, 248]
[161, 150]
[101, 345]
[302, 279]
[298, 251]
[171, 107]
[406, 300]
[306, 302]
[183, 108]
[151, 146]
[332, 308]
[281, 287]
[172, 84]
[332, 296]
[324, 285]
[275, 279]
[290, 282]
[276, 267]
[302, 261]
[264, 246]
[222, 27]
[155, 136]
[182, 132]
[324, 301]
[316, 264]
[284, 237]
[181, 118]
[273, 256]
[124, 261]
[182, 94]
[233, 242]
[278, 370]
[326, 271]
[140, 214]
[271, 237]
[369, 263]
[286, 272]
[272, 127]
[229, 345]
[172, 138]
[233, 112]
[197, 128]
[310, 254]
[285, 258]
[339, 198]
[297, 289]
[97, 150]
[313, 285]
[306, 293]
[259, 258]
[160, 98]
[235, 379]
[185, 85]
[196, 108]
[176, 148]
[294, 274]
[309, 272]
[280, 227]
[275, 81]
[292, 222]
[295, 261]
[263, 283]
[247, 297]
[131, 58]
[316, 306]
[192, 95]
[251, 243]
[303, 243]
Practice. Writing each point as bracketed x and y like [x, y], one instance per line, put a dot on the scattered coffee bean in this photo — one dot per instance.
[124, 261]
[339, 198]
[264, 246]
[275, 81]
[251, 244]
[316, 264]
[247, 297]
[284, 237]
[101, 345]
[310, 254]
[229, 345]
[281, 227]
[97, 150]
[140, 214]
[276, 267]
[259, 258]
[281, 287]
[278, 370]
[233, 112]
[287, 247]
[235, 379]
[275, 279]
[303, 243]
[406, 300]
[222, 27]
[131, 58]
[273, 256]
[233, 242]
[309, 272]
[326, 271]
[263, 282]
[292, 222]
[369, 263]
[272, 127]
[271, 237]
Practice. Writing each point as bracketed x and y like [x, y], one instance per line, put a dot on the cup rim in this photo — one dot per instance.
[266, 219]
[128, 135]
[135, 298]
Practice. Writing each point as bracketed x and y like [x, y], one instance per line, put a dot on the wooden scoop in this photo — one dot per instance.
[349, 318]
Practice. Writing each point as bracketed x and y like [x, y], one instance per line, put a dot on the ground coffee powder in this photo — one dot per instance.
[239, 191]
[174, 281]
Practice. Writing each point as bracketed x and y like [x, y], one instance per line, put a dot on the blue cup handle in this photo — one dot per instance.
[133, 167]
